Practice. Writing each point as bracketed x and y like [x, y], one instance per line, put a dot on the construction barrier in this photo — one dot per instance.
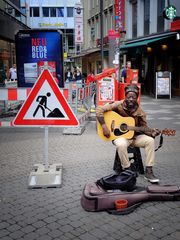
[77, 95]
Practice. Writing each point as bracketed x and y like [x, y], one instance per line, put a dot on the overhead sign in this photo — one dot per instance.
[45, 105]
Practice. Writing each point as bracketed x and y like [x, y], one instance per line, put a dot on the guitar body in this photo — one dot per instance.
[117, 126]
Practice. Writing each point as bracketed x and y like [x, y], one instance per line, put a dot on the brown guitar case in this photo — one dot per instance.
[94, 198]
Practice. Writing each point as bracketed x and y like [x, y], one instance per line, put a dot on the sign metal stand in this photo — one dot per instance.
[45, 175]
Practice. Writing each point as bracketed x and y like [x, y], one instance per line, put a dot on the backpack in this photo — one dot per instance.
[125, 181]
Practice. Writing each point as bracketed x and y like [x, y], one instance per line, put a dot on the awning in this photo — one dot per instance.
[87, 52]
[144, 42]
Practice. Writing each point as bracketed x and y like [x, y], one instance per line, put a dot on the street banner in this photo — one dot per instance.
[119, 12]
[78, 22]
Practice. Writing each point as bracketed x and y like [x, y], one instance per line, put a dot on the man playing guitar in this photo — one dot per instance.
[129, 107]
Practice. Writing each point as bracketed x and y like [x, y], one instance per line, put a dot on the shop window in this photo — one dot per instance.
[70, 11]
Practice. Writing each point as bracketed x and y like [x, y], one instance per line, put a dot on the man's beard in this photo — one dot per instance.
[130, 104]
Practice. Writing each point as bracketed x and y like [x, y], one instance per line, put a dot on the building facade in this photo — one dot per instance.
[52, 14]
[12, 19]
[151, 42]
[96, 22]
[147, 38]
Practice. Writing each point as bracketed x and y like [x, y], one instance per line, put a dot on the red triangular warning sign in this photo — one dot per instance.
[45, 105]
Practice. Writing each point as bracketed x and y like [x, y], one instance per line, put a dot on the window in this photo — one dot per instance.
[146, 16]
[105, 24]
[160, 19]
[134, 19]
[35, 12]
[17, 14]
[70, 11]
[60, 12]
[23, 10]
[31, 12]
[45, 11]
[52, 12]
[97, 28]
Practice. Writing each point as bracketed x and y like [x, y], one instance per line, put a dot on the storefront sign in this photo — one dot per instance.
[163, 84]
[169, 12]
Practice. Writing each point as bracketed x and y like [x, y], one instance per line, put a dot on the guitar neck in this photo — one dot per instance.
[140, 129]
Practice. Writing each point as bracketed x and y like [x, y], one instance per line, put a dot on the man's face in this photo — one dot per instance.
[131, 99]
[128, 65]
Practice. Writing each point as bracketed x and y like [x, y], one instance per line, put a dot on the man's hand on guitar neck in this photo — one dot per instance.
[155, 132]
[106, 131]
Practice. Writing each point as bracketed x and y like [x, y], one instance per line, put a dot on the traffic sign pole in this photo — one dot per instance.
[46, 159]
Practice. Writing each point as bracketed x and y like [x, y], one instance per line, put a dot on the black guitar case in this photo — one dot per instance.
[94, 198]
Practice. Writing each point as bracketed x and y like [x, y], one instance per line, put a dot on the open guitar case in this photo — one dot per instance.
[95, 198]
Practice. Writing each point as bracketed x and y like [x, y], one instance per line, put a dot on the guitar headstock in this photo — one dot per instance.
[168, 132]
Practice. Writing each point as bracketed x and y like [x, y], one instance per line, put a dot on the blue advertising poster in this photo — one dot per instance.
[36, 50]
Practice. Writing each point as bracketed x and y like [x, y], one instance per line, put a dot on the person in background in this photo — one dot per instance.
[68, 75]
[90, 78]
[77, 76]
[120, 72]
[124, 71]
[2, 75]
[129, 107]
[116, 66]
[13, 73]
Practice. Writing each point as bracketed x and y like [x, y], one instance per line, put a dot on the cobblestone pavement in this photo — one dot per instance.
[56, 213]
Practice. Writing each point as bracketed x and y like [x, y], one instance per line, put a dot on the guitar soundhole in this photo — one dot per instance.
[123, 127]
[117, 132]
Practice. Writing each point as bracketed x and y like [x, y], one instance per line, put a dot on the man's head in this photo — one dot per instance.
[131, 95]
[132, 88]
[128, 64]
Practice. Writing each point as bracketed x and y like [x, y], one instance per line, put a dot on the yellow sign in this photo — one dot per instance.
[51, 25]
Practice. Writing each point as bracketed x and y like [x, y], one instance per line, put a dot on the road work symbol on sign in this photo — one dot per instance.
[42, 105]
[45, 105]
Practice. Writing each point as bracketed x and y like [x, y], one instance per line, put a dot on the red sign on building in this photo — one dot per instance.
[119, 12]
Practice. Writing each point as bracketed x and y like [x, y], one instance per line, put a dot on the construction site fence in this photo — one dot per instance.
[80, 97]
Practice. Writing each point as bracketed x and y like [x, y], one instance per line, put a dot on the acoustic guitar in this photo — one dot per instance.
[124, 127]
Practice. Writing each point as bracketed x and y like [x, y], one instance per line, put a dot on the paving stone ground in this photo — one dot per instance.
[56, 213]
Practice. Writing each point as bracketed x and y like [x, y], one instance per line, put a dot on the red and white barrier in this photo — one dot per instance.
[18, 94]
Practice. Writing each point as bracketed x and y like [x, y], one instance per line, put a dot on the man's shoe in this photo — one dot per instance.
[149, 175]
